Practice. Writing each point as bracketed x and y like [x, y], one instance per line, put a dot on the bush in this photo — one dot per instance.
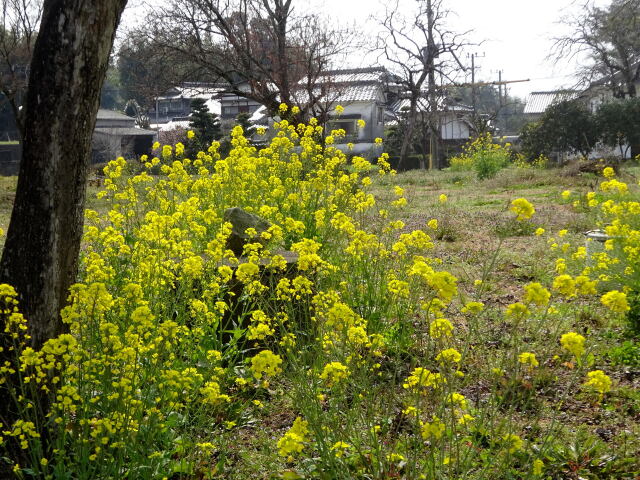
[566, 126]
[482, 155]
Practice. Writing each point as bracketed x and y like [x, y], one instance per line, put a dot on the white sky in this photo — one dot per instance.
[517, 34]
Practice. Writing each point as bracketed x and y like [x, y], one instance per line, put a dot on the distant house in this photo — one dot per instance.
[363, 93]
[116, 135]
[602, 90]
[232, 105]
[175, 105]
[454, 119]
[537, 102]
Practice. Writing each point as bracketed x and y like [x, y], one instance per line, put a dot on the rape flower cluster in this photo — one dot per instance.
[175, 341]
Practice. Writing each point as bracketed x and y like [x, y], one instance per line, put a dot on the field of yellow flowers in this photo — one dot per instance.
[434, 326]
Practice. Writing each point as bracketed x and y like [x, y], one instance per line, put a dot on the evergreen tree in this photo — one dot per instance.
[247, 127]
[205, 124]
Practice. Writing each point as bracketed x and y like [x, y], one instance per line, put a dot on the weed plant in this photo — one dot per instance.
[362, 361]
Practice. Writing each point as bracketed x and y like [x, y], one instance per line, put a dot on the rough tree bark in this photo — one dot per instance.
[68, 67]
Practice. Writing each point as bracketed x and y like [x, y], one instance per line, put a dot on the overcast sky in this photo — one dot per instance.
[516, 34]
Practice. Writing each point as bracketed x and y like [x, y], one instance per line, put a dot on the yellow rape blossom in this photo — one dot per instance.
[574, 343]
[615, 301]
[522, 208]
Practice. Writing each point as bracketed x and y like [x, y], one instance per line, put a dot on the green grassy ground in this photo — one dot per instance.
[475, 231]
[477, 239]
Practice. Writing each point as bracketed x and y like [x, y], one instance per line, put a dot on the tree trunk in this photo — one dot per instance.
[408, 132]
[68, 67]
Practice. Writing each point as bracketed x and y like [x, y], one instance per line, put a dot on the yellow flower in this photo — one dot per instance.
[513, 442]
[361, 123]
[339, 109]
[440, 327]
[566, 194]
[522, 208]
[536, 293]
[410, 411]
[423, 378]
[442, 198]
[538, 467]
[449, 355]
[378, 141]
[334, 372]
[615, 301]
[608, 172]
[339, 448]
[517, 310]
[598, 381]
[434, 429]
[433, 224]
[292, 442]
[539, 231]
[573, 343]
[473, 308]
[565, 285]
[265, 363]
[190, 134]
[528, 358]
[283, 108]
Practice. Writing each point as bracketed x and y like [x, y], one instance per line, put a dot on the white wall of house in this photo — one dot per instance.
[372, 112]
[453, 128]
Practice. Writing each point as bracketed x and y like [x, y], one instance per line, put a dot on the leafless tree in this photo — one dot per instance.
[261, 48]
[147, 70]
[20, 23]
[423, 51]
[610, 39]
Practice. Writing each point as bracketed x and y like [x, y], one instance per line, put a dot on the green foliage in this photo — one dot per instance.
[483, 156]
[619, 123]
[628, 354]
[633, 315]
[247, 127]
[566, 126]
[205, 125]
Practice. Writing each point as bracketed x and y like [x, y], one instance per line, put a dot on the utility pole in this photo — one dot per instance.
[500, 88]
[474, 101]
[473, 84]
[434, 128]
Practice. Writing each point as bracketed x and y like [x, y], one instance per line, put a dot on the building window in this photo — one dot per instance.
[380, 115]
[349, 126]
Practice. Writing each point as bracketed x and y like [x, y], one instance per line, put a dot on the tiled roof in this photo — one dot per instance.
[358, 93]
[342, 94]
[192, 91]
[125, 131]
[538, 102]
[404, 104]
[350, 75]
[423, 106]
[104, 114]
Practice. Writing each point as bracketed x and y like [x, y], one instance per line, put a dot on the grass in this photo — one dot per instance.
[477, 220]
[476, 239]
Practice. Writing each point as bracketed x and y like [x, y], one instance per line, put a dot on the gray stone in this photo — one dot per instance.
[241, 221]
